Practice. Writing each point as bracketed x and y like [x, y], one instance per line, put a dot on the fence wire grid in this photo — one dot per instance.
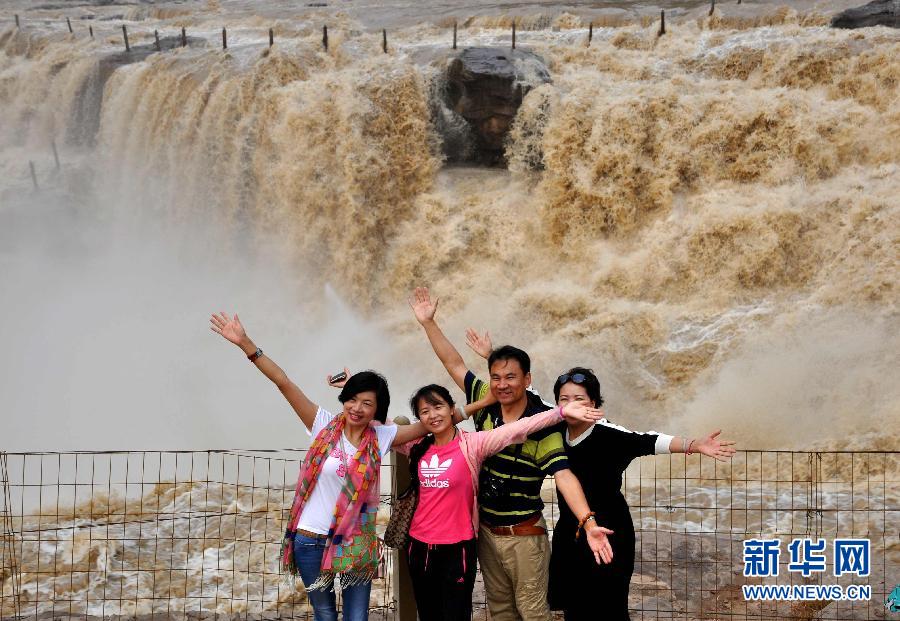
[180, 533]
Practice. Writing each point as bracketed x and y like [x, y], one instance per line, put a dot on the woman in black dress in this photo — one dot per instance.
[598, 455]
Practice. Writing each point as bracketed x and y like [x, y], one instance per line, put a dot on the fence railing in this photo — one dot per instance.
[99, 534]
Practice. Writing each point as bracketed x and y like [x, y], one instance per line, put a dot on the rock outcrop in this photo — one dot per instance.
[484, 87]
[876, 13]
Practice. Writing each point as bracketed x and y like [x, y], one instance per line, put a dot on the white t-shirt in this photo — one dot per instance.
[319, 509]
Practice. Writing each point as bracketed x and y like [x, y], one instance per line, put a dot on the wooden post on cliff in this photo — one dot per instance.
[403, 593]
[33, 175]
[384, 40]
[271, 37]
[69, 24]
[156, 36]
[712, 7]
[590, 33]
[91, 30]
[183, 37]
[224, 39]
[55, 154]
[125, 34]
[325, 37]
[662, 23]
[454, 35]
[17, 21]
[514, 35]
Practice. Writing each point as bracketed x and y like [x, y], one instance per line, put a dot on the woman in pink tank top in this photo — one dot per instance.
[445, 465]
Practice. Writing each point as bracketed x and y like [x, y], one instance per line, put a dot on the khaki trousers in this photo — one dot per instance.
[516, 570]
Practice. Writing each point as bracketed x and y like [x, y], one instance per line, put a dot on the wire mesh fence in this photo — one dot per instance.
[132, 533]
[102, 534]
[692, 516]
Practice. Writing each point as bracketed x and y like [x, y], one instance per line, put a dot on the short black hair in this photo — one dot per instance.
[364, 381]
[508, 352]
[431, 393]
[591, 384]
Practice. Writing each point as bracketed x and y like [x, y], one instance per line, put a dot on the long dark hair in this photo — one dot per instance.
[433, 394]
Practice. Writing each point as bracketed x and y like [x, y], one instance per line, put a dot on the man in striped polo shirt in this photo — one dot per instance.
[513, 547]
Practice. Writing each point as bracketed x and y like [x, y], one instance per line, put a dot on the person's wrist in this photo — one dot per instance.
[247, 346]
[582, 523]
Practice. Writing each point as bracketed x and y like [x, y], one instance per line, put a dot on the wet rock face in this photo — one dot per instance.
[876, 13]
[485, 87]
[86, 114]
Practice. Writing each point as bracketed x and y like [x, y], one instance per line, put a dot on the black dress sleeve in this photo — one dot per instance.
[629, 444]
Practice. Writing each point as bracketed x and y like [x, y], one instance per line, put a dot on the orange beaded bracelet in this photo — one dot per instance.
[583, 521]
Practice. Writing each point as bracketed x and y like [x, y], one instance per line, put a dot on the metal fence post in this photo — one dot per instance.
[8, 561]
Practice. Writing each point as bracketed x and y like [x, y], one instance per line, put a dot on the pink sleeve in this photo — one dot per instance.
[495, 440]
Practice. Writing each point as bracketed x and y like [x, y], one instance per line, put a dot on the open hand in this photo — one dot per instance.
[421, 304]
[581, 412]
[711, 446]
[228, 327]
[481, 345]
[598, 542]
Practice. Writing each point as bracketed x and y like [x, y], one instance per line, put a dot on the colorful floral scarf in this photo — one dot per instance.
[352, 550]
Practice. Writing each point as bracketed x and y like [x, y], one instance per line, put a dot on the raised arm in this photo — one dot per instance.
[231, 330]
[424, 310]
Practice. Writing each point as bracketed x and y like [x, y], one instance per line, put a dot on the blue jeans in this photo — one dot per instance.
[308, 553]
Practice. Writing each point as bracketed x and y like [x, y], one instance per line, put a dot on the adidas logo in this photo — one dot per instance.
[433, 468]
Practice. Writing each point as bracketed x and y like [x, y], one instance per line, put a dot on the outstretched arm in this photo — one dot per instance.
[231, 329]
[711, 446]
[424, 310]
[516, 432]
[486, 400]
[408, 433]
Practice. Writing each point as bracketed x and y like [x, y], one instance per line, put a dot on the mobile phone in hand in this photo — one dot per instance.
[338, 377]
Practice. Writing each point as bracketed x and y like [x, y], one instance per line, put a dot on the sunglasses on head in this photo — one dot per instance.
[577, 378]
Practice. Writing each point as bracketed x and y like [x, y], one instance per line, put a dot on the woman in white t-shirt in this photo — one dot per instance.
[331, 531]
